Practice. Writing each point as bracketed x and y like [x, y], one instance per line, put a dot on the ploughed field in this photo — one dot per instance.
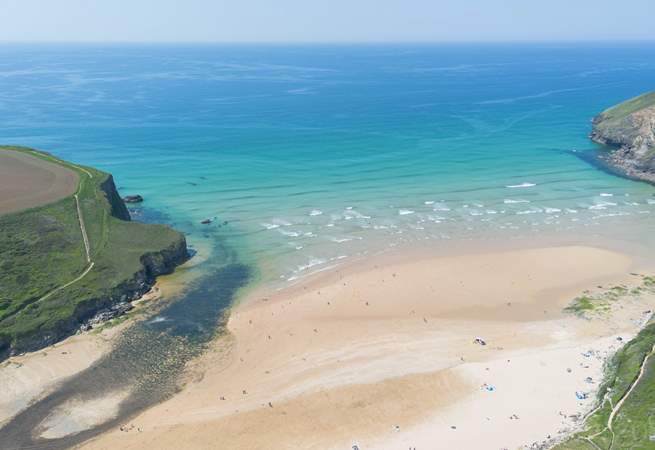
[27, 181]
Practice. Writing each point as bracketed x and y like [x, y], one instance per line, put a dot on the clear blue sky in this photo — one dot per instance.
[325, 20]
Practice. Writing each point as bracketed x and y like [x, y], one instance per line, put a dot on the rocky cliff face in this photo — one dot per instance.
[160, 262]
[118, 208]
[629, 130]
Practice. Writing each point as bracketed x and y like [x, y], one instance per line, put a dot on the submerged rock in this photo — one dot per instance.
[629, 128]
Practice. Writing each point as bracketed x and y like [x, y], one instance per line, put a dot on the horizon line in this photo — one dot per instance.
[309, 43]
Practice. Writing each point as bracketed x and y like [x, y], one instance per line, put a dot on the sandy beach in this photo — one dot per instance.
[382, 356]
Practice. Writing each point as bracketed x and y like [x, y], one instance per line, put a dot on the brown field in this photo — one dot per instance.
[27, 181]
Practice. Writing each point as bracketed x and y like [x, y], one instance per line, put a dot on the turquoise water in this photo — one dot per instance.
[316, 154]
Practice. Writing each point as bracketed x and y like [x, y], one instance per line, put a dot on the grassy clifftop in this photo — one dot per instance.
[623, 418]
[42, 249]
[623, 110]
[629, 129]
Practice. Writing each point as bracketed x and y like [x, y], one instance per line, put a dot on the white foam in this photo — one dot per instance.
[281, 222]
[530, 211]
[605, 194]
[289, 233]
[270, 226]
[509, 201]
[315, 212]
[440, 207]
[322, 269]
[158, 319]
[405, 212]
[312, 263]
[602, 205]
[552, 210]
[340, 240]
[429, 202]
[352, 214]
[522, 185]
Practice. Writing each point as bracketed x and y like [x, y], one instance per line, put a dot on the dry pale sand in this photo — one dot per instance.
[382, 356]
[27, 181]
[26, 378]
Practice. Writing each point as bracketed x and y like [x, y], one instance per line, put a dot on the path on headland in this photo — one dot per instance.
[87, 247]
[618, 405]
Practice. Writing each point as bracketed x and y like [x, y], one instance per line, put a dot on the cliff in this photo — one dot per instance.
[629, 130]
[48, 288]
[118, 208]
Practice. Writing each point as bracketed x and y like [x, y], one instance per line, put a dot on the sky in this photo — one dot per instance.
[325, 20]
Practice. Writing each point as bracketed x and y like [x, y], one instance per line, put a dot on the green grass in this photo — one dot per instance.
[635, 421]
[588, 304]
[628, 107]
[42, 248]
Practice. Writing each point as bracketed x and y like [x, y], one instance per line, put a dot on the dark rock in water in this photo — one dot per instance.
[629, 128]
[133, 199]
[206, 221]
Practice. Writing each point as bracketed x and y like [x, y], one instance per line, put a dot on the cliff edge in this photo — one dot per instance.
[79, 258]
[629, 130]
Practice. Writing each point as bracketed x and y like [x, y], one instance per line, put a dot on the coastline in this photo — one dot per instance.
[28, 377]
[77, 254]
[317, 366]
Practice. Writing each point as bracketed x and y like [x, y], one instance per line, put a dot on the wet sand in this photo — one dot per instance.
[382, 355]
[27, 181]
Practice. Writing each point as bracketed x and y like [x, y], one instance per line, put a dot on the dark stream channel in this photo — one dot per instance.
[149, 357]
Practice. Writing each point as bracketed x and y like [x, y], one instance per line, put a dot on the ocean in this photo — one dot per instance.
[306, 156]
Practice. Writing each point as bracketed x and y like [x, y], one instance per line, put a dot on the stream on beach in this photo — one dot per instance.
[147, 359]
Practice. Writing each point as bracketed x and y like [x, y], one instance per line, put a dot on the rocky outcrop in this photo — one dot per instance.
[133, 199]
[629, 130]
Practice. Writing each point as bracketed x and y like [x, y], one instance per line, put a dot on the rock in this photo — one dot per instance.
[133, 199]
[629, 129]
[206, 221]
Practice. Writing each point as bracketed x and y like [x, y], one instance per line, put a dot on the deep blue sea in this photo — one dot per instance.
[316, 154]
